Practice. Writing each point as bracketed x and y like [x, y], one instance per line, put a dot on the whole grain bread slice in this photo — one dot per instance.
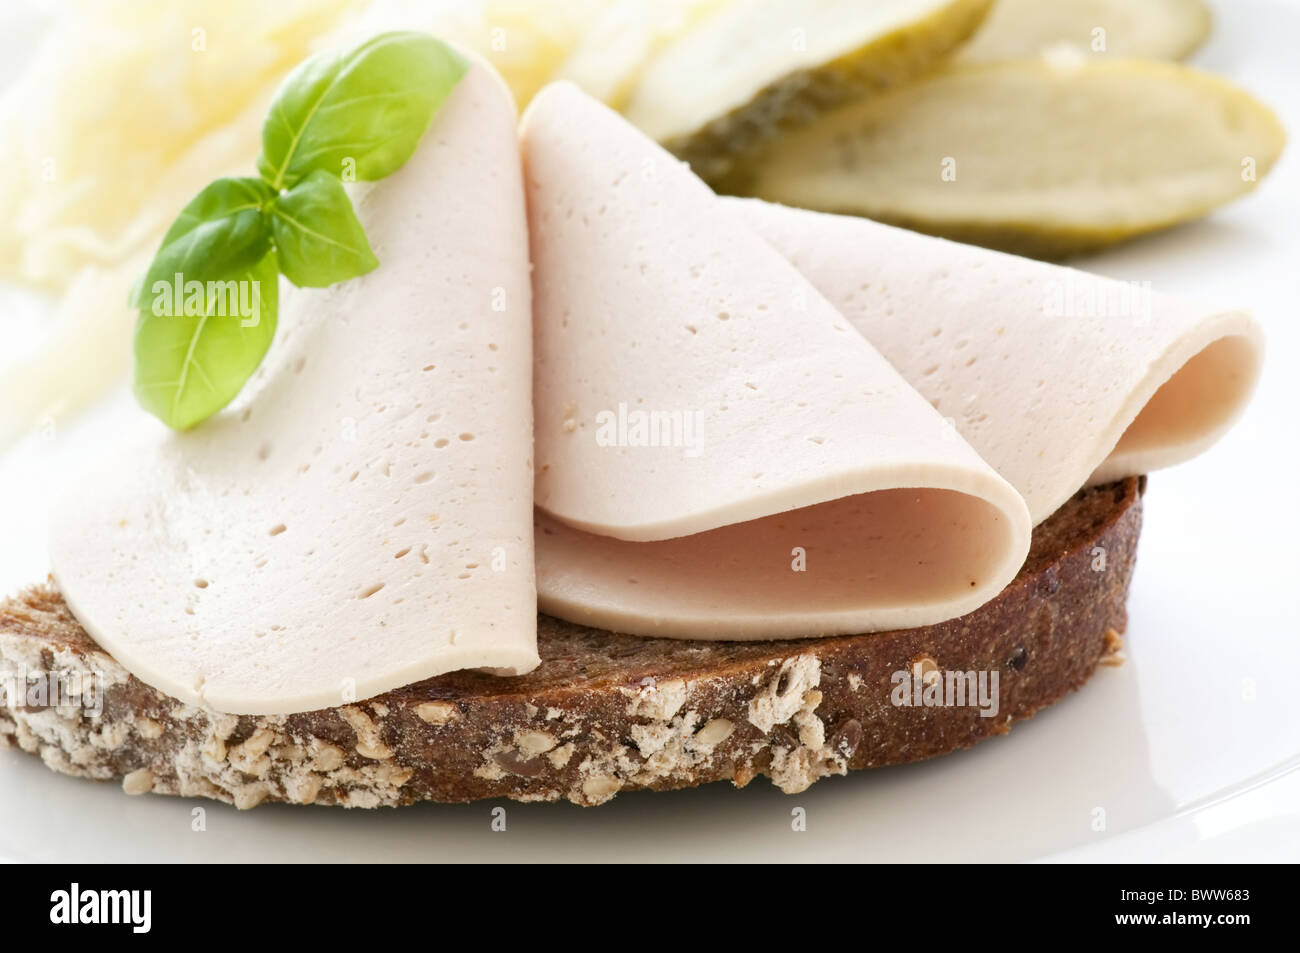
[604, 712]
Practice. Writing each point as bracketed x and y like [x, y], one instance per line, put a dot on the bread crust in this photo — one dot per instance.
[604, 712]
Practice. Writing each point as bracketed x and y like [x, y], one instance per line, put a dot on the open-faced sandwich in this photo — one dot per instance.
[587, 479]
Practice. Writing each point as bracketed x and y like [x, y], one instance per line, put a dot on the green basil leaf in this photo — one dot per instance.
[317, 235]
[197, 345]
[366, 106]
[220, 231]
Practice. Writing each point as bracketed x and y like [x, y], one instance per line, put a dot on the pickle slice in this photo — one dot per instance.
[759, 67]
[1151, 29]
[1037, 157]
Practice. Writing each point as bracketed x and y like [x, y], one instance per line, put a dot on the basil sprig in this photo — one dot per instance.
[208, 301]
[319, 238]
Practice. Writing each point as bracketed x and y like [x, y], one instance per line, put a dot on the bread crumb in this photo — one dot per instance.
[138, 782]
[249, 796]
[258, 742]
[437, 713]
[533, 743]
[600, 788]
[1112, 653]
[925, 669]
[561, 755]
[303, 788]
[713, 734]
[782, 696]
[369, 742]
[327, 757]
[659, 701]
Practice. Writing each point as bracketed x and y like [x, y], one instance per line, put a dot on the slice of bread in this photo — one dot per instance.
[604, 712]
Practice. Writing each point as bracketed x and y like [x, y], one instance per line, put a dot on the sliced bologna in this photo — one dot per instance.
[1057, 377]
[361, 517]
[719, 453]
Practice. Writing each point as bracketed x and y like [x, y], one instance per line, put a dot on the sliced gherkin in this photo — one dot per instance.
[1151, 29]
[1038, 157]
[759, 67]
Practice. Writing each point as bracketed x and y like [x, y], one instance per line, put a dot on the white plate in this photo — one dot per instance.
[1189, 751]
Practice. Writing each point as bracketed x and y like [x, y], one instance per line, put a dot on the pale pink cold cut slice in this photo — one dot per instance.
[361, 517]
[719, 453]
[1057, 377]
